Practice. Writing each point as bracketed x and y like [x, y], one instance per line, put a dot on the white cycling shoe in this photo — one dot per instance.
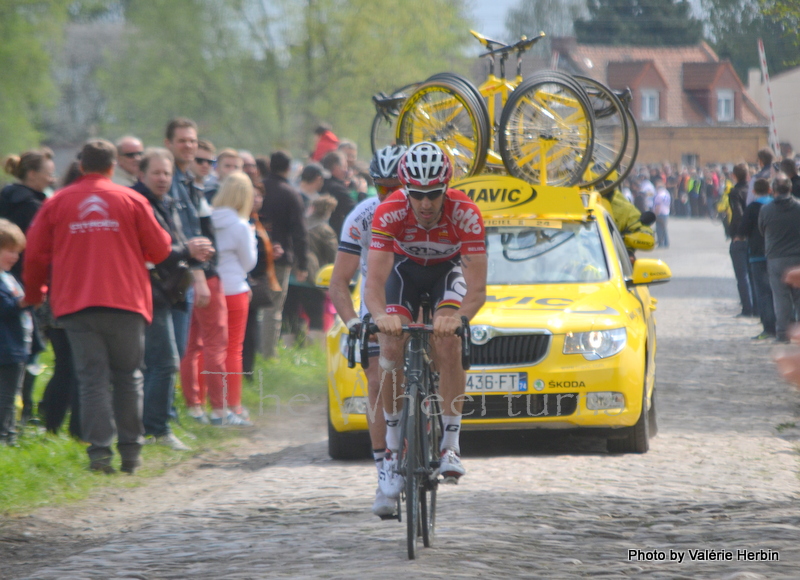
[383, 506]
[389, 481]
[450, 467]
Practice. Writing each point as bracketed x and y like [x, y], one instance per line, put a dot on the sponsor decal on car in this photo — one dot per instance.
[566, 385]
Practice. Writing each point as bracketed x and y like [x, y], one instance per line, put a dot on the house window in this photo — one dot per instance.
[649, 105]
[725, 105]
[690, 160]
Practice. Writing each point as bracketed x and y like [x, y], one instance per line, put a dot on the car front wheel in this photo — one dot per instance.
[347, 445]
[635, 439]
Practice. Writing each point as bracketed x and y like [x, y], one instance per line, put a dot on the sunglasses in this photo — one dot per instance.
[431, 194]
[201, 160]
[384, 189]
[133, 154]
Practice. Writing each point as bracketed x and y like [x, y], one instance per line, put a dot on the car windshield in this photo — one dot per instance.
[567, 253]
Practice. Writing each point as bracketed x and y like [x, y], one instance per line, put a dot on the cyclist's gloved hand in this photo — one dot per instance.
[390, 324]
[444, 326]
[353, 323]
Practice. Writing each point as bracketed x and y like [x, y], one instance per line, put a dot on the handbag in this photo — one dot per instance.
[174, 282]
[260, 287]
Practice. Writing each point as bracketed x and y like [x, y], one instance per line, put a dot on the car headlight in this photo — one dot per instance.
[595, 344]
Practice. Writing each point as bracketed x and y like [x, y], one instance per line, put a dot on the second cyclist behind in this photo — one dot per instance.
[426, 238]
[353, 249]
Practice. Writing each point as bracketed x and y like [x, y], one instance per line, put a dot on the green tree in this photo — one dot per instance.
[349, 50]
[734, 27]
[259, 74]
[186, 58]
[554, 17]
[29, 30]
[639, 22]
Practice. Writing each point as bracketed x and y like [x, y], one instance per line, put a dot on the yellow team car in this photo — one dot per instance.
[566, 339]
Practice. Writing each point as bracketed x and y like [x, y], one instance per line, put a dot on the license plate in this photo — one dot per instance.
[496, 382]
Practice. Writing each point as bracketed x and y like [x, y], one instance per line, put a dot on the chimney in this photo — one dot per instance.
[753, 79]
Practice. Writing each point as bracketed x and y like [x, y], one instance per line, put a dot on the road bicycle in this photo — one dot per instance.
[421, 427]
[553, 120]
[546, 131]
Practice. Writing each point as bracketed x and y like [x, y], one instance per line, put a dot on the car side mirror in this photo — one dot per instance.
[648, 271]
[323, 279]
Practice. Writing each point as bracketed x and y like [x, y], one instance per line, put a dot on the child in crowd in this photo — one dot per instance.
[16, 329]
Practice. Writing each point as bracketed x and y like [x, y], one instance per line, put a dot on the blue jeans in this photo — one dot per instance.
[785, 298]
[739, 259]
[181, 317]
[661, 231]
[10, 385]
[161, 363]
[766, 308]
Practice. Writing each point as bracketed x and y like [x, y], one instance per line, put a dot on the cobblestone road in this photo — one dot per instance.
[721, 476]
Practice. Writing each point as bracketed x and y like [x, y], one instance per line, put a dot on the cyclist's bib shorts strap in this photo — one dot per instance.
[443, 282]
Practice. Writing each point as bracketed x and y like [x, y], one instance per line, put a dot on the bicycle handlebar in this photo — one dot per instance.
[364, 330]
[505, 49]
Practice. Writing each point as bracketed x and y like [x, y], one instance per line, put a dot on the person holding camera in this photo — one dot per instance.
[170, 280]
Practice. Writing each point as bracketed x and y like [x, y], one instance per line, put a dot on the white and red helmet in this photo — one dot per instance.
[423, 165]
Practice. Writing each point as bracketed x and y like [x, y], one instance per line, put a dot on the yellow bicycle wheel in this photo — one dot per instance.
[547, 130]
[610, 132]
[624, 167]
[444, 113]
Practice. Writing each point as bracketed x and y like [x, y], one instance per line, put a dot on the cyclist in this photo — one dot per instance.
[430, 239]
[353, 248]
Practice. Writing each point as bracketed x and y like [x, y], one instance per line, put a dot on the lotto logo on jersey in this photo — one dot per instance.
[468, 220]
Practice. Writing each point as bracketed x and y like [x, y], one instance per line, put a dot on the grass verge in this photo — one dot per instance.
[49, 469]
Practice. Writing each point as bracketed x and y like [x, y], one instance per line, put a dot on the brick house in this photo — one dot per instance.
[691, 107]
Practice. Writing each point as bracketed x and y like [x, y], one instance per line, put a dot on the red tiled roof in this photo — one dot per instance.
[622, 75]
[620, 66]
[701, 75]
[668, 61]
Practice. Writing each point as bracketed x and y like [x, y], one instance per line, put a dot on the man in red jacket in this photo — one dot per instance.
[94, 239]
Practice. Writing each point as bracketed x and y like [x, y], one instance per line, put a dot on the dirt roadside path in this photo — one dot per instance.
[721, 476]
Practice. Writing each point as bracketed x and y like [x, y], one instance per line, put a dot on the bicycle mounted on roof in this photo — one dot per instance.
[553, 128]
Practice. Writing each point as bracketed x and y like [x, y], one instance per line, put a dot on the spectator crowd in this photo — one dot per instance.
[759, 206]
[143, 264]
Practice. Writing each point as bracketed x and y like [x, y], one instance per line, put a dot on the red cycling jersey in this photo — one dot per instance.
[459, 230]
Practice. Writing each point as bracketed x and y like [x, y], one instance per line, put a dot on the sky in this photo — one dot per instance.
[490, 15]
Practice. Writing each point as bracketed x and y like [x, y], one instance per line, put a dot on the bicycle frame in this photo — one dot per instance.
[420, 426]
[495, 86]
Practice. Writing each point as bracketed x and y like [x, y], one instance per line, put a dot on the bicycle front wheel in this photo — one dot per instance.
[445, 113]
[384, 125]
[610, 131]
[430, 435]
[547, 130]
[413, 470]
[624, 167]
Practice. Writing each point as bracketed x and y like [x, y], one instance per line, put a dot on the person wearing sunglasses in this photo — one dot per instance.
[129, 154]
[202, 164]
[352, 254]
[426, 238]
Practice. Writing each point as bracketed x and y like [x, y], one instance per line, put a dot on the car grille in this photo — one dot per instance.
[511, 350]
[521, 406]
